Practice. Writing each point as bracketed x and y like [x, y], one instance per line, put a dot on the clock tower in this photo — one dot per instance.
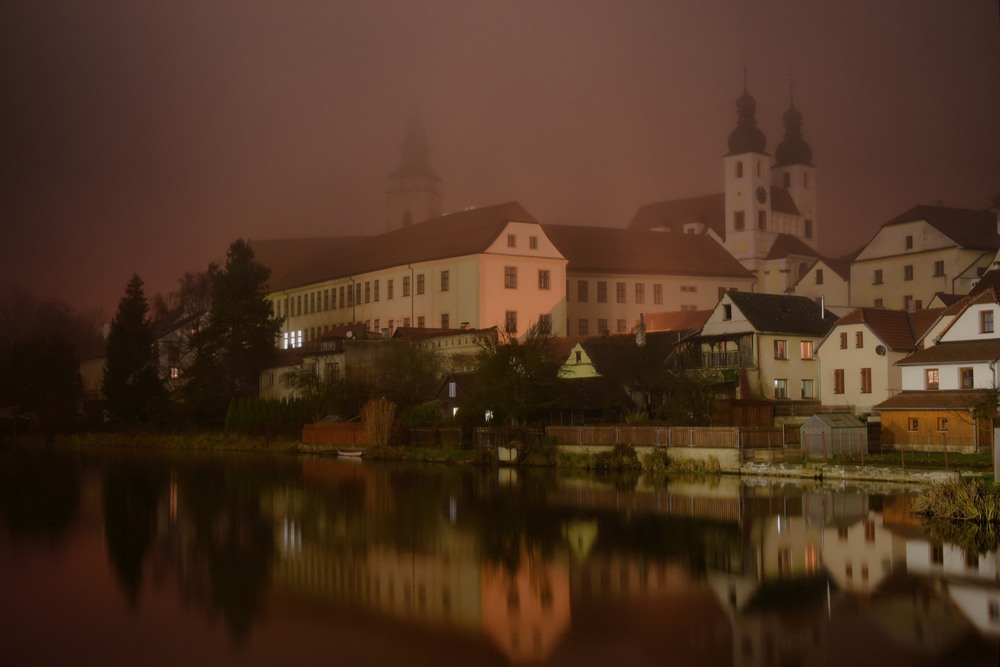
[749, 228]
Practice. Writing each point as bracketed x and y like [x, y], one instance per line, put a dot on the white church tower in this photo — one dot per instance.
[749, 234]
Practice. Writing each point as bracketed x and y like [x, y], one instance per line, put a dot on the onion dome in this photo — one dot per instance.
[793, 149]
[747, 137]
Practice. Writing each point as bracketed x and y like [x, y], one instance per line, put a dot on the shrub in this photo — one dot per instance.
[959, 500]
[656, 462]
[622, 457]
[540, 453]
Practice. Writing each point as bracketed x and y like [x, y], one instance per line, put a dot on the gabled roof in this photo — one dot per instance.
[968, 228]
[630, 251]
[955, 353]
[296, 262]
[783, 313]
[786, 244]
[617, 354]
[987, 296]
[948, 399]
[709, 210]
[898, 329]
[990, 280]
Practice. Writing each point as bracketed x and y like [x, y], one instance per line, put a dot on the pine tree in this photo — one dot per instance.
[131, 378]
[238, 341]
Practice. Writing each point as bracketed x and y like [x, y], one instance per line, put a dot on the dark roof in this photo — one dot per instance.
[296, 262]
[782, 202]
[968, 228]
[590, 393]
[786, 244]
[935, 400]
[606, 250]
[898, 329]
[709, 210]
[990, 279]
[954, 352]
[616, 355]
[948, 299]
[783, 313]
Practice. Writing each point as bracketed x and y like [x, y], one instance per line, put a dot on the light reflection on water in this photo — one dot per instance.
[164, 559]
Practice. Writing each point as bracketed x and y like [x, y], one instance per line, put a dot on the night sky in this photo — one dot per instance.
[145, 136]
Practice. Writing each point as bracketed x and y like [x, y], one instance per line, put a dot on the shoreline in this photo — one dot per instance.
[211, 442]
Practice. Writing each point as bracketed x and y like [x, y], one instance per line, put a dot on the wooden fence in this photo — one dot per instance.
[647, 436]
[335, 434]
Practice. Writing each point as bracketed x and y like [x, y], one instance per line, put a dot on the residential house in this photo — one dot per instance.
[827, 281]
[922, 252]
[948, 398]
[759, 347]
[859, 354]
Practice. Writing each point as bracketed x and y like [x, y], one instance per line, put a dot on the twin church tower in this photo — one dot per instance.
[769, 202]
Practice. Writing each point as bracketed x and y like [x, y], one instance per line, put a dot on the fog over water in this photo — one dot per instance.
[147, 136]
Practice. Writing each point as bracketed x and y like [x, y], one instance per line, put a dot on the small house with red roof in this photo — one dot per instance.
[949, 388]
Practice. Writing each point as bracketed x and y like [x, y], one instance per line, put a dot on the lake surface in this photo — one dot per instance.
[124, 557]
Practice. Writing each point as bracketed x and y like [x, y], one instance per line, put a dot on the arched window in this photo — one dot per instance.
[739, 169]
[788, 180]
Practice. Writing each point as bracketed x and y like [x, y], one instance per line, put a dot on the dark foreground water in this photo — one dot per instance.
[125, 558]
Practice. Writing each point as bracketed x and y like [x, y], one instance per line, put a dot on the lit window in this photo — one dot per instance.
[452, 389]
[780, 349]
[931, 378]
[806, 349]
[780, 388]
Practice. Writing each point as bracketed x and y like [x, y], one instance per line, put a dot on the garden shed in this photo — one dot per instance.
[827, 434]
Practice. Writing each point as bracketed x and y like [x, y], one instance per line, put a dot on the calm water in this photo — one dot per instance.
[128, 558]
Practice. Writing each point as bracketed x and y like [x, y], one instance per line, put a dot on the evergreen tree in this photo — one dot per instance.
[131, 378]
[237, 342]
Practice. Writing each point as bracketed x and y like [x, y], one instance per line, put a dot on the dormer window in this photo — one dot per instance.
[909, 243]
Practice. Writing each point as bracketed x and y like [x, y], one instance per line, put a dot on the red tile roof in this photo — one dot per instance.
[898, 329]
[709, 210]
[935, 400]
[969, 228]
[954, 353]
[631, 251]
[295, 262]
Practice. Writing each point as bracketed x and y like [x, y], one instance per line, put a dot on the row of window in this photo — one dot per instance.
[806, 390]
[603, 326]
[512, 241]
[932, 379]
[740, 223]
[878, 277]
[621, 291]
[913, 424]
[805, 349]
[839, 383]
[786, 177]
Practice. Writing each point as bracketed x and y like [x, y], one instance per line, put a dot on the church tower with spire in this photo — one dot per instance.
[794, 171]
[749, 229]
[414, 190]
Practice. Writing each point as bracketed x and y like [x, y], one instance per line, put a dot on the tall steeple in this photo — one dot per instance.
[747, 137]
[793, 149]
[414, 190]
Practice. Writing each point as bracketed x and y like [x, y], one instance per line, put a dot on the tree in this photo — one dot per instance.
[237, 342]
[515, 378]
[41, 377]
[131, 377]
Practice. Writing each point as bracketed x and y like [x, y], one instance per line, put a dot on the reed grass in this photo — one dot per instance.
[960, 500]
